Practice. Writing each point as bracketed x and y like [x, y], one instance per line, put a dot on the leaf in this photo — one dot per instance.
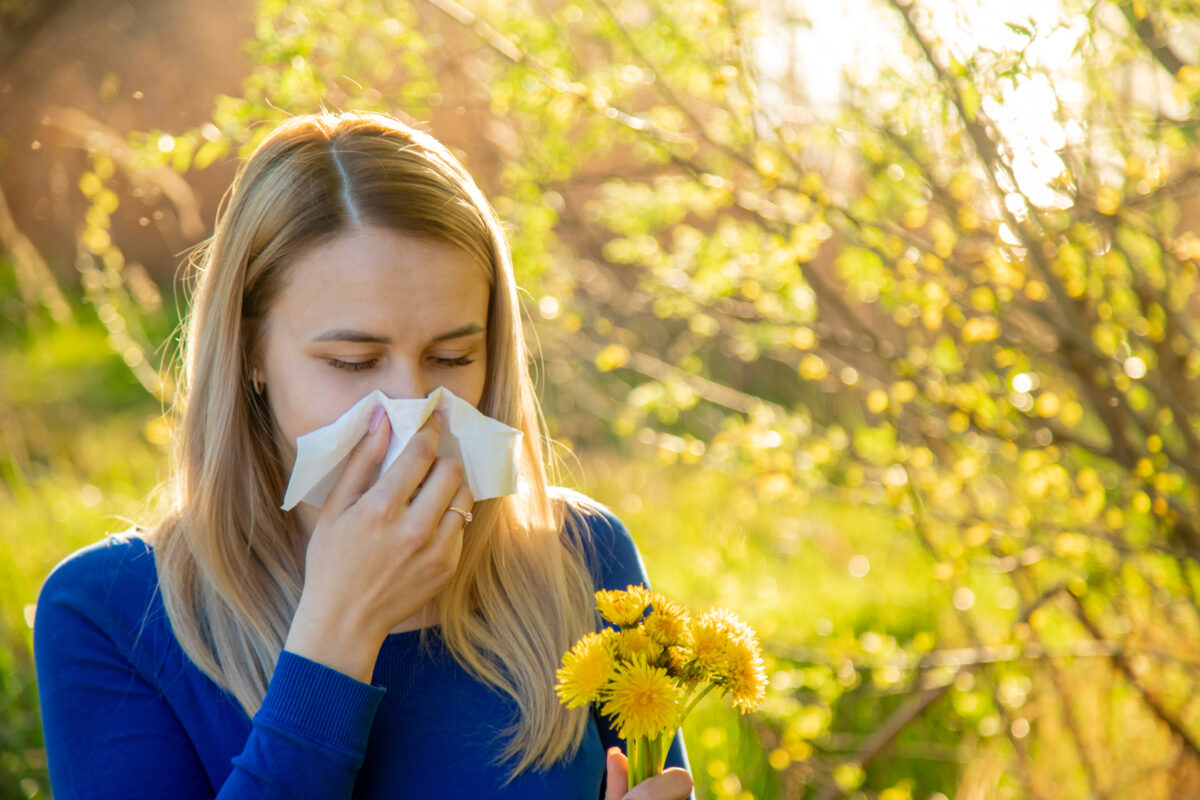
[970, 100]
[210, 152]
[981, 329]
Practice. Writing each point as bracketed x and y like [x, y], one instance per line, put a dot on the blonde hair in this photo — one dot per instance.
[230, 562]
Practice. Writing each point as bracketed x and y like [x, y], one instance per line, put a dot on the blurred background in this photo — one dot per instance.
[876, 321]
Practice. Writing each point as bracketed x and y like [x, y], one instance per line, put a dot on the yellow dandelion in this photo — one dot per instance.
[635, 642]
[586, 668]
[709, 641]
[643, 700]
[730, 623]
[677, 658]
[667, 624]
[745, 676]
[624, 608]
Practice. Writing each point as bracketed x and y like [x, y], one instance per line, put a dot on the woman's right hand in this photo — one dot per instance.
[671, 784]
[380, 550]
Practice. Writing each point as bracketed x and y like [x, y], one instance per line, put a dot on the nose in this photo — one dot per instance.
[405, 380]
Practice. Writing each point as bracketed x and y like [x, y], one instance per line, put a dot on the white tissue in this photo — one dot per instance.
[488, 449]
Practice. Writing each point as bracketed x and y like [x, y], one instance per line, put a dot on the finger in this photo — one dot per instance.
[362, 466]
[618, 775]
[428, 507]
[672, 784]
[455, 516]
[399, 481]
[453, 524]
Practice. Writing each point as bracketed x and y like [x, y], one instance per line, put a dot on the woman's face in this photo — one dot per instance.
[372, 309]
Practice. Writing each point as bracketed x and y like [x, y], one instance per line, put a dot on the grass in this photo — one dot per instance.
[77, 456]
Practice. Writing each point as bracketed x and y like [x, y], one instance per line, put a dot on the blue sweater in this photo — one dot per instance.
[128, 715]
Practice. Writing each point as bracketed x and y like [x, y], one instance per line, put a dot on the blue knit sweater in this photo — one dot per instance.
[128, 715]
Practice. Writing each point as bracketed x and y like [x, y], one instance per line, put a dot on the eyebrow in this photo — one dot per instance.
[362, 337]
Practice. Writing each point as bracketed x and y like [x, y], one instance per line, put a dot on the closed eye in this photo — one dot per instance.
[353, 366]
[459, 361]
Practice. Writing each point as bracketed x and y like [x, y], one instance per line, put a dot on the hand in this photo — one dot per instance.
[380, 550]
[673, 784]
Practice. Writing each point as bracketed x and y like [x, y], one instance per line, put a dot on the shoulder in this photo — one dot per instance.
[608, 547]
[119, 559]
[106, 582]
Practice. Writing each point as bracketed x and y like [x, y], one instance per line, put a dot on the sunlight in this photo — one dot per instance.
[810, 53]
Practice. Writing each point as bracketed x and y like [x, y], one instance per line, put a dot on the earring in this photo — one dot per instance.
[258, 387]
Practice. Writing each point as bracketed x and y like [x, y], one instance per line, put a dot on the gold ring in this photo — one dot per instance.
[466, 515]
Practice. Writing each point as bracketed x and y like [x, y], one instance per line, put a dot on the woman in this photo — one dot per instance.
[400, 641]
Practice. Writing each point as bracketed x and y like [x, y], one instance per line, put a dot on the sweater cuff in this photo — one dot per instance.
[319, 703]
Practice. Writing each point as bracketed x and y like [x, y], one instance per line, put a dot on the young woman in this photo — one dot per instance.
[400, 642]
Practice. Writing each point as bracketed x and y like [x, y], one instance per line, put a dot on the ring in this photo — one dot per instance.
[466, 515]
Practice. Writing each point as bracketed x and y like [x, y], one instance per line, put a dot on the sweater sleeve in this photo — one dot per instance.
[111, 732]
[615, 563]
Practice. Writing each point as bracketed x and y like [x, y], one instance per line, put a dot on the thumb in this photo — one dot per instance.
[618, 775]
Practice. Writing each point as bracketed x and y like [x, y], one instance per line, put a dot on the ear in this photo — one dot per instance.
[251, 343]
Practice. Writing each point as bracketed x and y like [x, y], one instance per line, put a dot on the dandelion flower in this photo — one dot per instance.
[709, 640]
[667, 624]
[636, 642]
[586, 668]
[643, 699]
[677, 659]
[731, 624]
[745, 677]
[624, 608]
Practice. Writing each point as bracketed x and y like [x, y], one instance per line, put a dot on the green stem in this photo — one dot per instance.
[637, 750]
[692, 704]
[661, 744]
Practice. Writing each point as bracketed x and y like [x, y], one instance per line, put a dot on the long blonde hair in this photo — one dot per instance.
[230, 562]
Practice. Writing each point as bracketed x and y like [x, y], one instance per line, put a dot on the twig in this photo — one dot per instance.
[1152, 702]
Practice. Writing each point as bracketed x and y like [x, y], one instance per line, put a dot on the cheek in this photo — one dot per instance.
[305, 398]
[472, 385]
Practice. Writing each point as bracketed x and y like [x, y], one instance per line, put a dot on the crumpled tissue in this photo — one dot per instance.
[487, 448]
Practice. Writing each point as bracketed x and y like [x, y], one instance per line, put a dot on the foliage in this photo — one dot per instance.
[82, 446]
[908, 304]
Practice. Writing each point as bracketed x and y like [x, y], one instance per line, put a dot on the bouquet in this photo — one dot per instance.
[650, 674]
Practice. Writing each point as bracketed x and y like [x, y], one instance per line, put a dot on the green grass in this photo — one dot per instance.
[75, 460]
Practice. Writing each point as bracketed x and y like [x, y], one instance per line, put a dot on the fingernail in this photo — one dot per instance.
[378, 415]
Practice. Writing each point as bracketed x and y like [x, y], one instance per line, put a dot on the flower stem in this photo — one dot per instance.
[637, 748]
[692, 704]
[660, 752]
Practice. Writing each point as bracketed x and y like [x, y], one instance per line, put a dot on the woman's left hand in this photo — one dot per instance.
[672, 784]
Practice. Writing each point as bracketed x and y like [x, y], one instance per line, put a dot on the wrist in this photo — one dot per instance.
[334, 641]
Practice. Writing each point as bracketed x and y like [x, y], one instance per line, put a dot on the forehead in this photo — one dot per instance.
[376, 278]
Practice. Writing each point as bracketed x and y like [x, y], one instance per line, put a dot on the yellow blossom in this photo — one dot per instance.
[643, 700]
[635, 642]
[624, 608]
[667, 623]
[677, 658]
[642, 675]
[709, 640]
[586, 668]
[744, 673]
